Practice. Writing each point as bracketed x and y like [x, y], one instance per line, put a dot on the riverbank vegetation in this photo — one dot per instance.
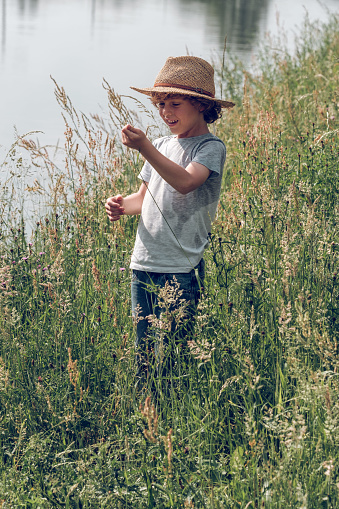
[250, 418]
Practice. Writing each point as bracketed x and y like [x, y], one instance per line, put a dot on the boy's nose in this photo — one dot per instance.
[167, 110]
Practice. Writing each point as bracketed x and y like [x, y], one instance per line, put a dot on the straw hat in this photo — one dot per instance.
[186, 75]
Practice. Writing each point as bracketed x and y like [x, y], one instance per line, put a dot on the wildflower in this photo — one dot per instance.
[41, 253]
[122, 269]
[25, 258]
[39, 266]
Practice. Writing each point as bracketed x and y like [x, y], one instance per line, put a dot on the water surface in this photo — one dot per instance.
[80, 42]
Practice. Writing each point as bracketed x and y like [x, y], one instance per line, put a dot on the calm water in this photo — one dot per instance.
[80, 42]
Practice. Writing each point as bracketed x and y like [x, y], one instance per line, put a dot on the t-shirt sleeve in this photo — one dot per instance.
[145, 173]
[212, 154]
[147, 169]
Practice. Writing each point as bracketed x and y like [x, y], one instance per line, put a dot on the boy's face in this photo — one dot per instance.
[182, 117]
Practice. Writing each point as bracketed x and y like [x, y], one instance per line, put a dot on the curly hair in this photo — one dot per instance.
[211, 109]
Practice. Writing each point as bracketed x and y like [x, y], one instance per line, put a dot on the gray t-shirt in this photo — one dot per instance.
[173, 228]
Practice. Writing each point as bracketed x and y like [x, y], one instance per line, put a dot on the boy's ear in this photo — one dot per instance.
[199, 106]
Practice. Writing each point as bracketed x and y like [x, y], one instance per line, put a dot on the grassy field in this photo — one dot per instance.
[251, 418]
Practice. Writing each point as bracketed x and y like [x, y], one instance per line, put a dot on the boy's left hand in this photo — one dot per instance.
[133, 137]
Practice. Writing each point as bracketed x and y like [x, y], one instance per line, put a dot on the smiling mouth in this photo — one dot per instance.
[171, 122]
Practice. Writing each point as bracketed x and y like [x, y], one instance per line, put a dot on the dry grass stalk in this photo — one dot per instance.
[4, 375]
[149, 413]
[169, 448]
[96, 275]
[72, 369]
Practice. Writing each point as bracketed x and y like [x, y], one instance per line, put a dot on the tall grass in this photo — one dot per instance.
[250, 418]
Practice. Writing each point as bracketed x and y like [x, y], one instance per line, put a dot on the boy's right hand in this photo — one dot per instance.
[115, 207]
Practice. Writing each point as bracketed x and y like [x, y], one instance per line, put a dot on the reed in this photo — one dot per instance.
[249, 415]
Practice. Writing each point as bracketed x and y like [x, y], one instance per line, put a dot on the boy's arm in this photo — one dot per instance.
[183, 180]
[117, 206]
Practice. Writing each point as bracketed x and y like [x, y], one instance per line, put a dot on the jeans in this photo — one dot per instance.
[155, 320]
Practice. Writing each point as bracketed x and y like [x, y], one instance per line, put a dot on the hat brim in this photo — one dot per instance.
[180, 91]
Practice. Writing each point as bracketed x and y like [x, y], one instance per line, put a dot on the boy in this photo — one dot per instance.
[180, 190]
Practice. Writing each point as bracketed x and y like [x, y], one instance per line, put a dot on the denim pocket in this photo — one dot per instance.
[134, 276]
